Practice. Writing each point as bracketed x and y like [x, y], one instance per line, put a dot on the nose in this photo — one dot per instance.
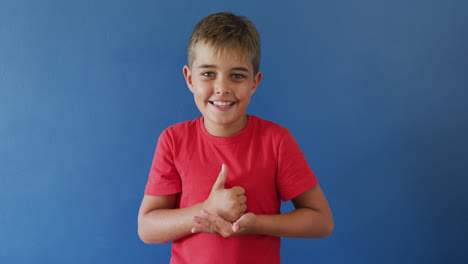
[222, 86]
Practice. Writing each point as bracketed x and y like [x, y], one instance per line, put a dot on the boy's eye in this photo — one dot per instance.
[208, 74]
[238, 76]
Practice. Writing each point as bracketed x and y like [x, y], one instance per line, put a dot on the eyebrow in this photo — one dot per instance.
[214, 66]
[241, 69]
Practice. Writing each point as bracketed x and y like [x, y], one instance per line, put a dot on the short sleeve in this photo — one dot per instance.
[163, 177]
[294, 176]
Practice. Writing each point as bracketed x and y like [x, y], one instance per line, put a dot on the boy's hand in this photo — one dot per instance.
[209, 223]
[229, 204]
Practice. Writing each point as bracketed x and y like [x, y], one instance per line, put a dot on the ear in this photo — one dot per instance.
[188, 77]
[256, 81]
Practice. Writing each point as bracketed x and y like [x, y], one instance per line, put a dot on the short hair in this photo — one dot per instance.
[225, 29]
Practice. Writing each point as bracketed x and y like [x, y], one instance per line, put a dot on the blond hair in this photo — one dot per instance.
[226, 30]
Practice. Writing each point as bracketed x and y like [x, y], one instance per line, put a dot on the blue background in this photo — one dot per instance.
[374, 91]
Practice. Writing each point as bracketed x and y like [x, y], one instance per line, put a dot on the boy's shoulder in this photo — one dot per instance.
[269, 126]
[181, 129]
[185, 125]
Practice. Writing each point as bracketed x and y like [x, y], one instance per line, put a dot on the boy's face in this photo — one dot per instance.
[222, 84]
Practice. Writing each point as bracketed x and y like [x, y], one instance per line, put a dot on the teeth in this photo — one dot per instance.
[222, 103]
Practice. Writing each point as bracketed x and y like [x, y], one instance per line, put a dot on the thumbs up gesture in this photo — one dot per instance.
[228, 204]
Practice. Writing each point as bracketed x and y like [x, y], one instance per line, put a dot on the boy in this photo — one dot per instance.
[216, 182]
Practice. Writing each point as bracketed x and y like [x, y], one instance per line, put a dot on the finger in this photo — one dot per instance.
[223, 228]
[238, 190]
[212, 218]
[201, 229]
[239, 224]
[238, 228]
[202, 221]
[241, 199]
[219, 184]
[218, 230]
[205, 226]
[218, 222]
[241, 214]
[235, 227]
[242, 208]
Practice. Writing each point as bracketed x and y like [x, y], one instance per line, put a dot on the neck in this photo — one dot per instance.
[226, 130]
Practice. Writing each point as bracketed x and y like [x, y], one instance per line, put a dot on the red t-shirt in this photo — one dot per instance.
[263, 158]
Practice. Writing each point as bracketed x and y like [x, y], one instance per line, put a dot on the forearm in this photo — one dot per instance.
[300, 223]
[160, 222]
[165, 225]
[312, 218]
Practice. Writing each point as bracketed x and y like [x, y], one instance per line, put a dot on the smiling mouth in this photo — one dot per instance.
[222, 104]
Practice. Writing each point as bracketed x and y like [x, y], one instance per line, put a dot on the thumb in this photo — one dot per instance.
[238, 224]
[219, 184]
[246, 222]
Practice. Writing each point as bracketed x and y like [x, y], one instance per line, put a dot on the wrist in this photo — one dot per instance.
[257, 226]
[205, 205]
